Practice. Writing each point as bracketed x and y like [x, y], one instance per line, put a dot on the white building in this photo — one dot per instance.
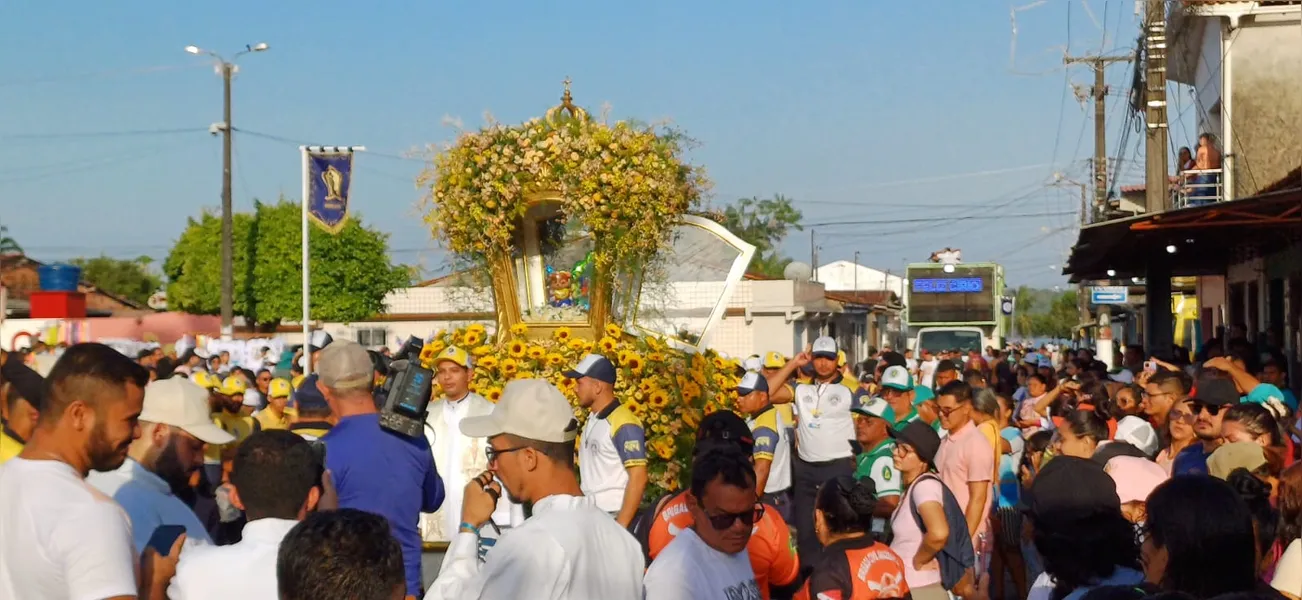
[763, 315]
[843, 275]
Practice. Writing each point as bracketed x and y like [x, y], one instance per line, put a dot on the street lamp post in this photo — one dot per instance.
[227, 70]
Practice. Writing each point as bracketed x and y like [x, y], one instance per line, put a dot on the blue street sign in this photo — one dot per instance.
[1109, 294]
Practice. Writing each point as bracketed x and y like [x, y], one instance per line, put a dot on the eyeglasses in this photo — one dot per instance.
[1210, 409]
[902, 450]
[492, 453]
[725, 520]
[1148, 395]
[947, 411]
[1186, 418]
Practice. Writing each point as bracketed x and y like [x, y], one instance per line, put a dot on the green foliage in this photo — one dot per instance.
[351, 272]
[1044, 313]
[129, 279]
[8, 245]
[764, 223]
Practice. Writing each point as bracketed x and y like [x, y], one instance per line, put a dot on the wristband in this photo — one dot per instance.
[468, 528]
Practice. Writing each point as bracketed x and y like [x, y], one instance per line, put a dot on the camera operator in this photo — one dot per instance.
[373, 469]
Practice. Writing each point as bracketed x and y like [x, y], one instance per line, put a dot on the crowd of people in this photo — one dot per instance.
[1015, 473]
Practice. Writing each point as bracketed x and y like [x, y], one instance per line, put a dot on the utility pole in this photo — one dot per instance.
[813, 255]
[1157, 194]
[1099, 93]
[1158, 334]
[856, 270]
[227, 69]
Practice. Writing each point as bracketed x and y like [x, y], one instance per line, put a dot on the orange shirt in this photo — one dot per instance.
[856, 569]
[772, 555]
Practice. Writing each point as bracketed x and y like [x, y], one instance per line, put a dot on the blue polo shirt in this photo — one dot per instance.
[388, 474]
[1191, 461]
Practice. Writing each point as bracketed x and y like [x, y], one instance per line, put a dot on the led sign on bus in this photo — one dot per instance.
[960, 285]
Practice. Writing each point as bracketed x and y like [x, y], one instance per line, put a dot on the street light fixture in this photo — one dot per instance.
[227, 69]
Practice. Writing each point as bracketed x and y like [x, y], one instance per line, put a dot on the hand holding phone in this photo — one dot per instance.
[164, 538]
[1150, 366]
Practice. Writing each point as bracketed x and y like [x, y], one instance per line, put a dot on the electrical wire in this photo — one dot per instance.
[105, 74]
[940, 221]
[101, 134]
[293, 142]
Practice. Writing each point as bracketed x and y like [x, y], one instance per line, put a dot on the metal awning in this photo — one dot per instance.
[1206, 239]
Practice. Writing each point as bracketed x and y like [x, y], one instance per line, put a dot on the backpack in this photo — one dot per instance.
[958, 557]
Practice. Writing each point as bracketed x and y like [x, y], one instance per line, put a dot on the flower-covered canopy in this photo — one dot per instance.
[555, 207]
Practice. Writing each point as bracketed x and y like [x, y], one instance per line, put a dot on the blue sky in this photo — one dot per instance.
[859, 110]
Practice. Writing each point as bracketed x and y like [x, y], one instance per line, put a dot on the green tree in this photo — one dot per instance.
[8, 245]
[1024, 306]
[130, 279]
[765, 224]
[351, 272]
[1061, 319]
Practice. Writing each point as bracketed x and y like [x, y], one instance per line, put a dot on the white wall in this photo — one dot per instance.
[840, 276]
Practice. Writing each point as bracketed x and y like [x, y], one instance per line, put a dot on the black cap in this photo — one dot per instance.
[892, 358]
[921, 437]
[1070, 489]
[595, 366]
[28, 383]
[1211, 390]
[724, 427]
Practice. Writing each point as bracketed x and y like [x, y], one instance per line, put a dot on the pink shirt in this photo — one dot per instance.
[908, 536]
[964, 457]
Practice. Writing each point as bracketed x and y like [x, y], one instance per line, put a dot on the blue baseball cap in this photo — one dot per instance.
[752, 382]
[308, 397]
[595, 366]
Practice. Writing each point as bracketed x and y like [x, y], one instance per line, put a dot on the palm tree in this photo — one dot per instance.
[8, 245]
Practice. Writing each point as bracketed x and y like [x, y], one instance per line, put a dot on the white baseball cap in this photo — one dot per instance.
[1123, 376]
[178, 402]
[532, 409]
[897, 378]
[873, 407]
[824, 347]
[1138, 433]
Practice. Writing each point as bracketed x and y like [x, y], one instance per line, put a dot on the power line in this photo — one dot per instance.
[101, 134]
[105, 74]
[285, 140]
[939, 221]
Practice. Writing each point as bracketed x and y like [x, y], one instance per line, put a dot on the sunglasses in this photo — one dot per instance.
[726, 520]
[1210, 409]
[947, 411]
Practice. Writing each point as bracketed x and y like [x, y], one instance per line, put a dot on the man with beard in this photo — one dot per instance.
[174, 426]
[59, 536]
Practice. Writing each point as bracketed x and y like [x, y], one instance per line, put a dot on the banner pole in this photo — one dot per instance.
[307, 277]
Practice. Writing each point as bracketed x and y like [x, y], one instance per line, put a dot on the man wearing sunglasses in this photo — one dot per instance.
[1209, 400]
[709, 560]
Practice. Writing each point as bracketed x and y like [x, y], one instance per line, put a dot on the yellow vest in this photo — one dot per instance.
[269, 420]
[240, 426]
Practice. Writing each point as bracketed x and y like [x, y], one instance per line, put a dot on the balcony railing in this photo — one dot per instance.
[1198, 187]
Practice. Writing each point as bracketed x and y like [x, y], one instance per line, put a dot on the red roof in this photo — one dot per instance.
[865, 297]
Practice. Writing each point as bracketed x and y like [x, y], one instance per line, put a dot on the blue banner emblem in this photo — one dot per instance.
[329, 177]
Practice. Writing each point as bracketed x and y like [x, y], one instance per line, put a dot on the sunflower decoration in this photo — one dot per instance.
[614, 331]
[670, 390]
[562, 334]
[519, 329]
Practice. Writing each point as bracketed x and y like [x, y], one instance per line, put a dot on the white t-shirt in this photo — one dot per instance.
[242, 571]
[60, 538]
[1288, 571]
[687, 569]
[928, 371]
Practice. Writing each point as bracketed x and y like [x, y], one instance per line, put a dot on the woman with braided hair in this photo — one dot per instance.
[853, 564]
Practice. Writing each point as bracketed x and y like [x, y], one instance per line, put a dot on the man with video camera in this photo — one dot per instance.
[376, 470]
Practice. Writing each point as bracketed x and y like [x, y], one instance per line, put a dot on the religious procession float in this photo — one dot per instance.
[593, 238]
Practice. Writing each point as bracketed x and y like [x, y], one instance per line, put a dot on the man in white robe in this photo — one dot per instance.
[459, 458]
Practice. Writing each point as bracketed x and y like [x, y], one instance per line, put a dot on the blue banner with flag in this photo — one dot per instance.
[329, 175]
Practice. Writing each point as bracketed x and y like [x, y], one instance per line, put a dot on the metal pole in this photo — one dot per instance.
[307, 278]
[813, 255]
[856, 270]
[306, 239]
[228, 220]
[1157, 195]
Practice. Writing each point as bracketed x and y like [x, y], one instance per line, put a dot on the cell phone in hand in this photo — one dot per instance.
[163, 538]
[1150, 366]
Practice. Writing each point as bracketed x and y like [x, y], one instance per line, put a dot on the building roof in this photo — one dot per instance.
[885, 298]
[18, 261]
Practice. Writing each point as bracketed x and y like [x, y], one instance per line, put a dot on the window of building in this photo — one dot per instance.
[373, 337]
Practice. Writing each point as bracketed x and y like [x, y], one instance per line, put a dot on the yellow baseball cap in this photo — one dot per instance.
[233, 386]
[840, 358]
[279, 388]
[455, 355]
[204, 380]
[774, 360]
